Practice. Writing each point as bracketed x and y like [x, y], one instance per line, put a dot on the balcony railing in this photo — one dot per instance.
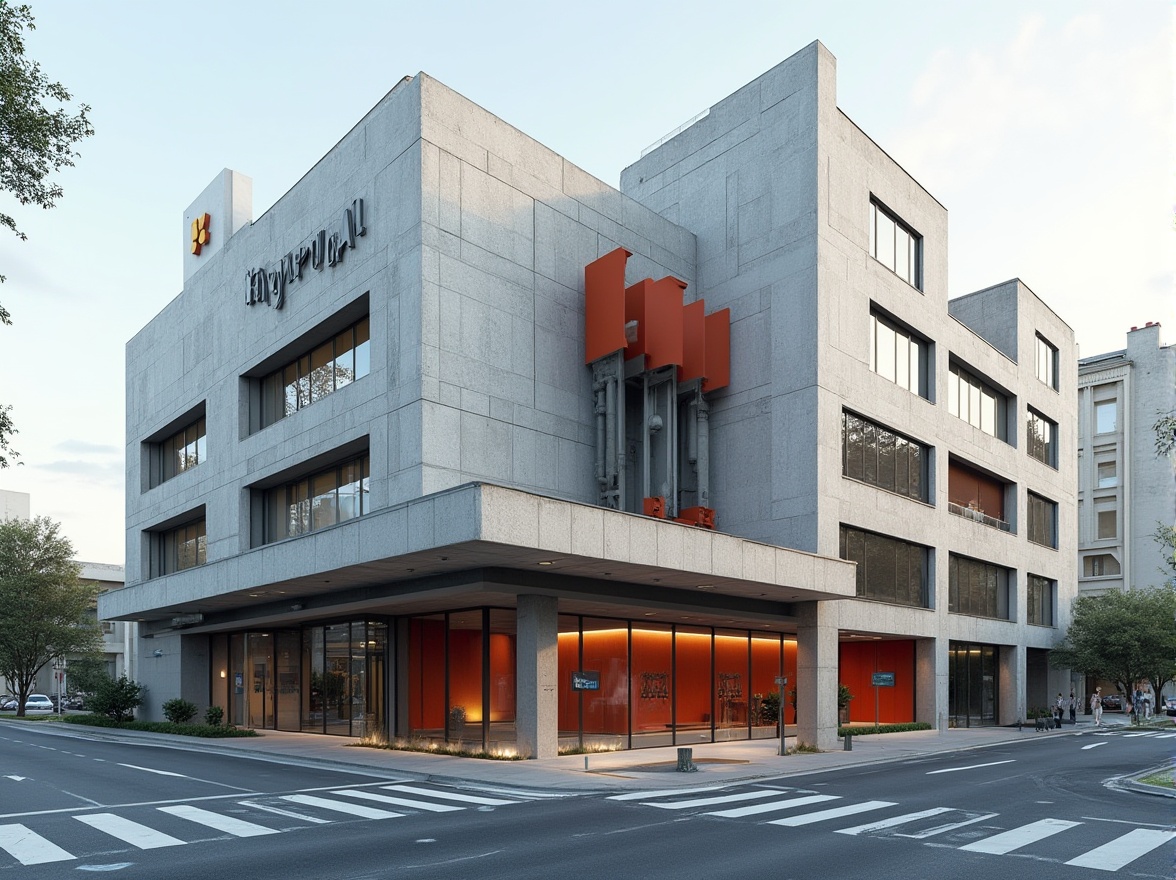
[978, 516]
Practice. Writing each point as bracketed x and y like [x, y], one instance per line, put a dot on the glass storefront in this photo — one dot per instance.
[972, 678]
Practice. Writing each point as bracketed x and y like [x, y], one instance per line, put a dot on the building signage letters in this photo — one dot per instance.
[324, 248]
[585, 681]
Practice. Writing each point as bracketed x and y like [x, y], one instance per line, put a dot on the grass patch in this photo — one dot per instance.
[593, 749]
[379, 741]
[884, 728]
[201, 730]
[1164, 779]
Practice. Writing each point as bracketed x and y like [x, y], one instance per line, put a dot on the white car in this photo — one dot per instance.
[38, 703]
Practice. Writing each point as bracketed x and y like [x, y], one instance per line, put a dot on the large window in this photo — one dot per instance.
[888, 570]
[876, 455]
[1047, 363]
[182, 548]
[898, 355]
[977, 588]
[1108, 523]
[324, 370]
[1108, 474]
[1042, 439]
[1043, 521]
[975, 402]
[896, 246]
[323, 499]
[1040, 601]
[1106, 416]
[1102, 565]
[976, 495]
[180, 452]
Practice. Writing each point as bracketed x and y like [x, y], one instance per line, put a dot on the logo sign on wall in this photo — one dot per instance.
[267, 284]
[585, 681]
[200, 234]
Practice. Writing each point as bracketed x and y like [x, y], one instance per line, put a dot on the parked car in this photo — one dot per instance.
[7, 703]
[1170, 706]
[1112, 701]
[38, 703]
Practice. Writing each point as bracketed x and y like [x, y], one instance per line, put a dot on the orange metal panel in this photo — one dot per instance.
[655, 506]
[718, 351]
[635, 311]
[663, 323]
[604, 305]
[693, 342]
[704, 517]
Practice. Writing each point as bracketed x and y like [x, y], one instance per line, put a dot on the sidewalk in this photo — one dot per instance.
[639, 769]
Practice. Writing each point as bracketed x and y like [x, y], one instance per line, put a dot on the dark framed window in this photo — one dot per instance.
[333, 495]
[976, 402]
[977, 588]
[888, 569]
[898, 354]
[874, 454]
[1042, 438]
[322, 371]
[1047, 363]
[182, 548]
[1043, 521]
[1102, 565]
[1039, 600]
[975, 495]
[178, 452]
[896, 246]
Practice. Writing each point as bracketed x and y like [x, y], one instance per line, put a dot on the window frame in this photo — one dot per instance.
[1045, 517]
[167, 556]
[1113, 403]
[989, 598]
[1042, 450]
[906, 452]
[859, 539]
[918, 354]
[882, 218]
[297, 498]
[978, 391]
[1046, 361]
[1040, 596]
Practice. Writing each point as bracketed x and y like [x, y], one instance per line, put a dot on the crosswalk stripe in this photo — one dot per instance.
[1167, 736]
[646, 795]
[451, 795]
[228, 824]
[715, 801]
[894, 820]
[951, 826]
[341, 807]
[289, 814]
[129, 832]
[1133, 735]
[756, 809]
[835, 813]
[1123, 850]
[1006, 842]
[400, 802]
[28, 847]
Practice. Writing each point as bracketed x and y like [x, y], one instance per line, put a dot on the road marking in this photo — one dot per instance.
[28, 847]
[755, 809]
[399, 802]
[971, 767]
[1093, 746]
[896, 820]
[289, 814]
[834, 813]
[1166, 736]
[340, 807]
[149, 770]
[943, 829]
[17, 778]
[235, 827]
[999, 844]
[1123, 850]
[645, 795]
[451, 796]
[714, 801]
[129, 832]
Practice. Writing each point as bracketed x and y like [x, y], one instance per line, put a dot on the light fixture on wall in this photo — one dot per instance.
[223, 674]
[157, 653]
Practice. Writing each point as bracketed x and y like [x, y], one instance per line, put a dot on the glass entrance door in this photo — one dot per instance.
[972, 684]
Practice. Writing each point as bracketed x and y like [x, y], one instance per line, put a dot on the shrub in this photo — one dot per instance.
[179, 711]
[884, 728]
[201, 730]
[117, 698]
[214, 716]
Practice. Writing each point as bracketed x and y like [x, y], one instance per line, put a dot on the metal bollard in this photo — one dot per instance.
[848, 742]
[686, 761]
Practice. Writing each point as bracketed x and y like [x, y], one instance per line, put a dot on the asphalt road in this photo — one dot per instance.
[1041, 808]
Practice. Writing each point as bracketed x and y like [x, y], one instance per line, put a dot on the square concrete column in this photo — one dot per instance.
[931, 683]
[816, 675]
[537, 659]
[1010, 684]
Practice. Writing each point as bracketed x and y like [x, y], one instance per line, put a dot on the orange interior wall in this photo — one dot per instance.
[694, 678]
[569, 658]
[651, 653]
[859, 660]
[426, 673]
[607, 652]
[465, 671]
[502, 677]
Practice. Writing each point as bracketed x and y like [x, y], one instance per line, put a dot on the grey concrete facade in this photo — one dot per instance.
[477, 412]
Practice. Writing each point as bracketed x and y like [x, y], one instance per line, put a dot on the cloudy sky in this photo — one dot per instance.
[1046, 128]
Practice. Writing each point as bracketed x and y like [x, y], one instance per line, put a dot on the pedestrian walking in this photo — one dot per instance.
[1096, 706]
[1073, 708]
[1059, 708]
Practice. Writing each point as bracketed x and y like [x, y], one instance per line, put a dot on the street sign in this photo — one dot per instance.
[585, 681]
[882, 680]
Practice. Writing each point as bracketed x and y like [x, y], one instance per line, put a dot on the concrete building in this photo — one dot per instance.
[118, 638]
[1124, 489]
[458, 442]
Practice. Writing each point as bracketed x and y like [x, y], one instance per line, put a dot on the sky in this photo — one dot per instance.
[1046, 129]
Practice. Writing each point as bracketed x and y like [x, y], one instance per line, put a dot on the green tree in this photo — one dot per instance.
[116, 698]
[1123, 636]
[1165, 428]
[45, 611]
[37, 135]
